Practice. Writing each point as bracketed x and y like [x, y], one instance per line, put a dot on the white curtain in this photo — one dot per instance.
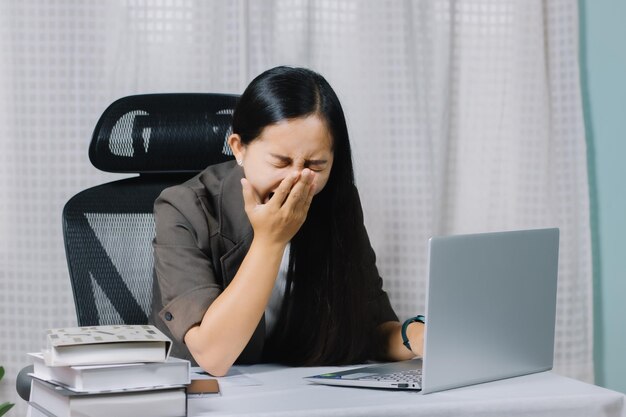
[465, 116]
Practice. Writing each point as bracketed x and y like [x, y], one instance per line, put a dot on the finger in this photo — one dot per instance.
[251, 198]
[309, 198]
[300, 191]
[305, 203]
[284, 189]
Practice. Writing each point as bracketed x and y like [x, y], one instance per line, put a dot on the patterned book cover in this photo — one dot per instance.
[71, 336]
[105, 344]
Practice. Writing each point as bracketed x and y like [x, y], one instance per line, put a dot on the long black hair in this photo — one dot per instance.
[324, 317]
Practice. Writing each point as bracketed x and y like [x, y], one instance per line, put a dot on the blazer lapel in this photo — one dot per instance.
[235, 228]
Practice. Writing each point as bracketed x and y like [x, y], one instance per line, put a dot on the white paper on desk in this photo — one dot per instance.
[234, 378]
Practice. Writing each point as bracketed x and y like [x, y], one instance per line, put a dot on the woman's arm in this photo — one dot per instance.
[390, 341]
[231, 319]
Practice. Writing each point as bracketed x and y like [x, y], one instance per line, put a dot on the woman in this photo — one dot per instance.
[266, 258]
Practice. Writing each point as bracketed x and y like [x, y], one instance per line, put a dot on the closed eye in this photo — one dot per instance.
[316, 167]
[280, 161]
[280, 164]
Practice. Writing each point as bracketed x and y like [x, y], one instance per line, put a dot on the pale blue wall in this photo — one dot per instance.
[603, 65]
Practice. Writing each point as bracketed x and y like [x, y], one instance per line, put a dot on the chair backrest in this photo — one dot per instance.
[108, 229]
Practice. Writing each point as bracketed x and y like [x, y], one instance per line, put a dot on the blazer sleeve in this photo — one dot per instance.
[380, 307]
[183, 267]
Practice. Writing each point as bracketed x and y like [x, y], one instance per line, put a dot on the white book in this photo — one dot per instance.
[60, 402]
[96, 378]
[97, 345]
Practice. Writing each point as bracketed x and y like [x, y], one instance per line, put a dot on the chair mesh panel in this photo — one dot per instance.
[130, 254]
[108, 233]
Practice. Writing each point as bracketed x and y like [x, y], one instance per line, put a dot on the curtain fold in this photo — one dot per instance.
[465, 116]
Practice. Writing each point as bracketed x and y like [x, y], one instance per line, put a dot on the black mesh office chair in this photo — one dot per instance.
[108, 229]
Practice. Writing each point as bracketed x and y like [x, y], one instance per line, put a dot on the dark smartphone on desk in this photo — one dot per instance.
[203, 388]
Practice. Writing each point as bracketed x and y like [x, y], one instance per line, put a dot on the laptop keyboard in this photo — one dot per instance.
[409, 376]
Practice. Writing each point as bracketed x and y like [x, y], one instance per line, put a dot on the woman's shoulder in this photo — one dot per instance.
[200, 189]
[206, 183]
[212, 178]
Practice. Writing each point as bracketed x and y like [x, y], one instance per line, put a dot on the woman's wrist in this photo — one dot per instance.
[268, 245]
[416, 336]
[412, 334]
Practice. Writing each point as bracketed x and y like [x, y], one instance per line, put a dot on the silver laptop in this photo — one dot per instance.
[490, 314]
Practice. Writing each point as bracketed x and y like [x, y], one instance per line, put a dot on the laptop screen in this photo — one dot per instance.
[490, 308]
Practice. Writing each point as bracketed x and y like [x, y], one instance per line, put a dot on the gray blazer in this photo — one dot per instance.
[202, 236]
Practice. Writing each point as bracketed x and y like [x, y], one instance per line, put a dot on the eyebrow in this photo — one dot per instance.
[307, 161]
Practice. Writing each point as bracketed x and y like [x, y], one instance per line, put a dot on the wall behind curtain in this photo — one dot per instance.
[604, 64]
[465, 116]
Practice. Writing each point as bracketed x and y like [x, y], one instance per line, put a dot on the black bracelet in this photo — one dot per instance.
[405, 338]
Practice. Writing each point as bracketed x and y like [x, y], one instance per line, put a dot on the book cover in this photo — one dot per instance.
[112, 377]
[58, 401]
[105, 345]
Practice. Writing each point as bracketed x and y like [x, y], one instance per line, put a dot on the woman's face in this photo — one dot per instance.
[282, 148]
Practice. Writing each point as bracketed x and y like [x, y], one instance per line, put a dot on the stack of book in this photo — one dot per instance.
[105, 371]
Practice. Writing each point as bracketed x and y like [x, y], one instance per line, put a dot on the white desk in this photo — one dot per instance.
[282, 391]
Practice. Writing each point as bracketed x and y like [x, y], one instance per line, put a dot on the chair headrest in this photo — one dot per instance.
[158, 133]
